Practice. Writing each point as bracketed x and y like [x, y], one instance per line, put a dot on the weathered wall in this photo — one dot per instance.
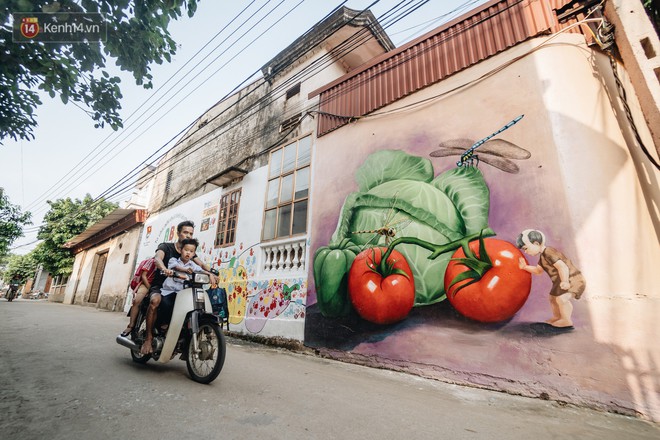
[116, 276]
[240, 266]
[585, 185]
[243, 126]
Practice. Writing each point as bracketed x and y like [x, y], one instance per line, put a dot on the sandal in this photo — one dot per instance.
[127, 332]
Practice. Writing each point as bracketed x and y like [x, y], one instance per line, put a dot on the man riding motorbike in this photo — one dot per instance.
[164, 253]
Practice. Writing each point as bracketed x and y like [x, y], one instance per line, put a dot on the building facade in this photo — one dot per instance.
[538, 101]
[507, 119]
[242, 174]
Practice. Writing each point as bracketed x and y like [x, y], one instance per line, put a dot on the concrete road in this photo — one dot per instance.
[62, 376]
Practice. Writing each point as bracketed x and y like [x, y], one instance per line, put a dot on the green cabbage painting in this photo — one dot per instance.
[400, 189]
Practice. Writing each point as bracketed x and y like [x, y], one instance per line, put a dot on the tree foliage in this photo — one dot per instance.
[137, 36]
[19, 267]
[66, 219]
[12, 221]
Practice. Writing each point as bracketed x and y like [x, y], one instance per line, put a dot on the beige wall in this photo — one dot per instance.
[116, 276]
[586, 186]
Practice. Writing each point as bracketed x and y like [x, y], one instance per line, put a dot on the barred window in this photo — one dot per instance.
[287, 196]
[228, 219]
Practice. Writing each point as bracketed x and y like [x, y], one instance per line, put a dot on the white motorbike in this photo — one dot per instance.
[194, 332]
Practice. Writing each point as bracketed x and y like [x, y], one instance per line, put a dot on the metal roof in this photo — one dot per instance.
[112, 224]
[455, 46]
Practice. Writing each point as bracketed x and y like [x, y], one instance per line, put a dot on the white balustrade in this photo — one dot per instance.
[285, 256]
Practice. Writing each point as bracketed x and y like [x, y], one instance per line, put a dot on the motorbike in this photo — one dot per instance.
[12, 292]
[194, 332]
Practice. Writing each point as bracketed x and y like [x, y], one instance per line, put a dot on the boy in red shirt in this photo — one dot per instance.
[140, 284]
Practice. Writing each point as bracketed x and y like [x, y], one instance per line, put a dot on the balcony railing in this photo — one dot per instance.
[285, 256]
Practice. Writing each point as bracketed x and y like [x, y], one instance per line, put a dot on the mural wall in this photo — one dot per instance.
[270, 304]
[476, 237]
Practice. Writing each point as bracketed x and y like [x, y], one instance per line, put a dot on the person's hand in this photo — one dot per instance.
[189, 270]
[565, 285]
[214, 279]
[522, 263]
[168, 272]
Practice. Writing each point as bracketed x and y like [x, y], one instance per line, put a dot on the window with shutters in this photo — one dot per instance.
[228, 219]
[287, 195]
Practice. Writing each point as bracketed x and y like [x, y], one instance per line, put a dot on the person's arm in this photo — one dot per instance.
[174, 265]
[200, 269]
[563, 271]
[536, 270]
[160, 265]
[145, 279]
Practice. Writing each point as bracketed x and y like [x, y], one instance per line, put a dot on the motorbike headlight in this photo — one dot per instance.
[201, 278]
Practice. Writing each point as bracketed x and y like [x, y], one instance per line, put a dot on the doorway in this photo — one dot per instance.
[97, 276]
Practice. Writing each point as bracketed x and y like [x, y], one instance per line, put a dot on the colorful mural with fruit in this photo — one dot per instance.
[407, 238]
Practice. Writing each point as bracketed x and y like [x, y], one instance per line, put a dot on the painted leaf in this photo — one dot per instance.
[453, 205]
[388, 165]
[467, 189]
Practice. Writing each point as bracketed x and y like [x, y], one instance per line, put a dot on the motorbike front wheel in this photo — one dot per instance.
[205, 366]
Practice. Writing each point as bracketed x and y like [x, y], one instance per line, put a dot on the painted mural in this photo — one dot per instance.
[253, 303]
[412, 244]
[254, 300]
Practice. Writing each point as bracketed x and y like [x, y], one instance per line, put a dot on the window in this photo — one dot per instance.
[293, 91]
[228, 219]
[290, 123]
[287, 195]
[126, 256]
[168, 181]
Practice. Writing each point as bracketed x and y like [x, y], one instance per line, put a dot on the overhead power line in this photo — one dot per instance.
[108, 195]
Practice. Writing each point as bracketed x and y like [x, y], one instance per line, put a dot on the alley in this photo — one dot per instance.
[63, 376]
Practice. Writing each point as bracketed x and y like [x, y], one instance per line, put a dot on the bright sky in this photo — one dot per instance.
[70, 158]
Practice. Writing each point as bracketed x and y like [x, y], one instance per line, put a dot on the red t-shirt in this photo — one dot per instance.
[149, 266]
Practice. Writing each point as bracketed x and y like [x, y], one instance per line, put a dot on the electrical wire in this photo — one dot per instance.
[409, 10]
[331, 12]
[154, 94]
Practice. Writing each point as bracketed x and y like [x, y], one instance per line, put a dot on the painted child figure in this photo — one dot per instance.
[567, 280]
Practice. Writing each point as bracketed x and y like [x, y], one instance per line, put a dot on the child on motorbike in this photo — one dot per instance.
[173, 284]
[140, 284]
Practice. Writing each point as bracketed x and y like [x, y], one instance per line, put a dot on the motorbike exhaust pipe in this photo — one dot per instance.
[122, 340]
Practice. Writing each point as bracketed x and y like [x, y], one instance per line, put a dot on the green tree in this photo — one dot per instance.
[12, 221]
[66, 219]
[137, 36]
[20, 267]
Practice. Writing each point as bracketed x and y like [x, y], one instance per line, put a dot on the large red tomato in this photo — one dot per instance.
[377, 298]
[501, 291]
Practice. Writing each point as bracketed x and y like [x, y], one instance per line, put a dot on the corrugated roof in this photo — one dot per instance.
[112, 224]
[463, 42]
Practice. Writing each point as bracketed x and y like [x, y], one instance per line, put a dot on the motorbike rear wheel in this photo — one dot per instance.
[205, 366]
[138, 334]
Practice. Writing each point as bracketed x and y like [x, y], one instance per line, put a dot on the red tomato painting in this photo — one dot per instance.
[377, 298]
[502, 290]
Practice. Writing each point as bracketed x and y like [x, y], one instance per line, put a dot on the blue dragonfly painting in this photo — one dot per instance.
[494, 152]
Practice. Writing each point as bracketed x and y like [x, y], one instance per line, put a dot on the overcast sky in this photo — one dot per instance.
[70, 158]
